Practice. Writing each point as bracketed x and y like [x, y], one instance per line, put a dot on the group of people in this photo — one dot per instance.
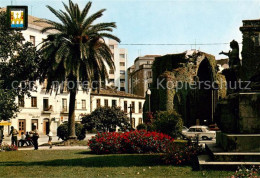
[29, 138]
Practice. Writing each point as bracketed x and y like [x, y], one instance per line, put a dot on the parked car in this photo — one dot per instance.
[184, 129]
[213, 127]
[202, 132]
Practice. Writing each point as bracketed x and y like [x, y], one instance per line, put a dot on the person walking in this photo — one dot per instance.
[50, 139]
[35, 137]
[1, 135]
[14, 133]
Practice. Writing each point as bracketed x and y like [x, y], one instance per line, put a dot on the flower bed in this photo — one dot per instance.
[181, 154]
[130, 142]
[7, 147]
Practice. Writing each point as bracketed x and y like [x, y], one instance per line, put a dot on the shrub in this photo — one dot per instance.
[62, 131]
[7, 147]
[168, 122]
[106, 119]
[141, 127]
[242, 171]
[129, 142]
[181, 154]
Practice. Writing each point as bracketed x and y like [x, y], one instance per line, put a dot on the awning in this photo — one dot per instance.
[5, 123]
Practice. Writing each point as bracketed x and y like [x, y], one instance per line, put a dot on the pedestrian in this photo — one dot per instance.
[50, 139]
[14, 133]
[35, 136]
[1, 135]
[29, 139]
[23, 139]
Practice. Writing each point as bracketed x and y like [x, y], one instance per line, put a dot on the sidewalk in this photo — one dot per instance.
[44, 140]
[55, 148]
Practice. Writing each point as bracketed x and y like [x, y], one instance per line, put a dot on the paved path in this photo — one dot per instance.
[44, 139]
[56, 148]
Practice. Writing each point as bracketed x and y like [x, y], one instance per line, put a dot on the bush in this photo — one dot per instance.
[141, 127]
[62, 131]
[129, 142]
[242, 171]
[181, 154]
[106, 119]
[168, 122]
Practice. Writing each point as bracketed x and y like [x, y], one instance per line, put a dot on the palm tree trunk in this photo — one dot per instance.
[71, 126]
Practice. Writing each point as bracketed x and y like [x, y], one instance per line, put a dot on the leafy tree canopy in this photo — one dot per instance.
[106, 119]
[18, 59]
[18, 63]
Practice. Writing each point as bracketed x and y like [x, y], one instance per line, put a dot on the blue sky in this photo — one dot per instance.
[165, 22]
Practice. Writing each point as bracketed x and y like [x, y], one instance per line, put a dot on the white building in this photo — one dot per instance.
[48, 111]
[118, 77]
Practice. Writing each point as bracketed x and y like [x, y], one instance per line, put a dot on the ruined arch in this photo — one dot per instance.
[205, 92]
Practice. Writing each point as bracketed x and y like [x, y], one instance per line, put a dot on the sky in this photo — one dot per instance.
[150, 22]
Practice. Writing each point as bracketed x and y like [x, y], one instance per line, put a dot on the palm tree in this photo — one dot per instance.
[76, 52]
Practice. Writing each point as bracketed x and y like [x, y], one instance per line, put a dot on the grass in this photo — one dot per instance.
[72, 163]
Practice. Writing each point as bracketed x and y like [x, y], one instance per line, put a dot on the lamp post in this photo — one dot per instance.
[131, 122]
[149, 95]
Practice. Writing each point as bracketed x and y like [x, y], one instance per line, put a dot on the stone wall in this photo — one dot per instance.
[171, 71]
[240, 113]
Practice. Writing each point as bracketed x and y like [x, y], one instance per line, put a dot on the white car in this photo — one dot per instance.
[201, 131]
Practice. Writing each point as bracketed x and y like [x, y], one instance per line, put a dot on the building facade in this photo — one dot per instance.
[140, 75]
[47, 111]
[118, 76]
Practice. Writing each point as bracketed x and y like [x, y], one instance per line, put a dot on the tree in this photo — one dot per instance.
[76, 52]
[18, 60]
[18, 63]
[8, 108]
[168, 122]
[106, 119]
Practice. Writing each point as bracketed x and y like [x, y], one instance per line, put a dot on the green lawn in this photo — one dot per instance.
[58, 163]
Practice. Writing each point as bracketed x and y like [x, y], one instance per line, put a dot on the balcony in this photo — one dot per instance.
[64, 111]
[47, 110]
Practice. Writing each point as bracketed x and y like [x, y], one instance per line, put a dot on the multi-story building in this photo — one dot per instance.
[118, 77]
[140, 75]
[47, 111]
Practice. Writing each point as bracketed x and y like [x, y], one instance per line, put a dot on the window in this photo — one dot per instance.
[34, 123]
[98, 103]
[34, 101]
[191, 130]
[122, 64]
[106, 103]
[122, 55]
[198, 130]
[133, 107]
[111, 46]
[122, 80]
[21, 101]
[32, 40]
[133, 122]
[122, 88]
[140, 121]
[149, 74]
[45, 104]
[111, 71]
[122, 72]
[113, 103]
[111, 81]
[149, 85]
[140, 107]
[83, 104]
[125, 106]
[64, 104]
